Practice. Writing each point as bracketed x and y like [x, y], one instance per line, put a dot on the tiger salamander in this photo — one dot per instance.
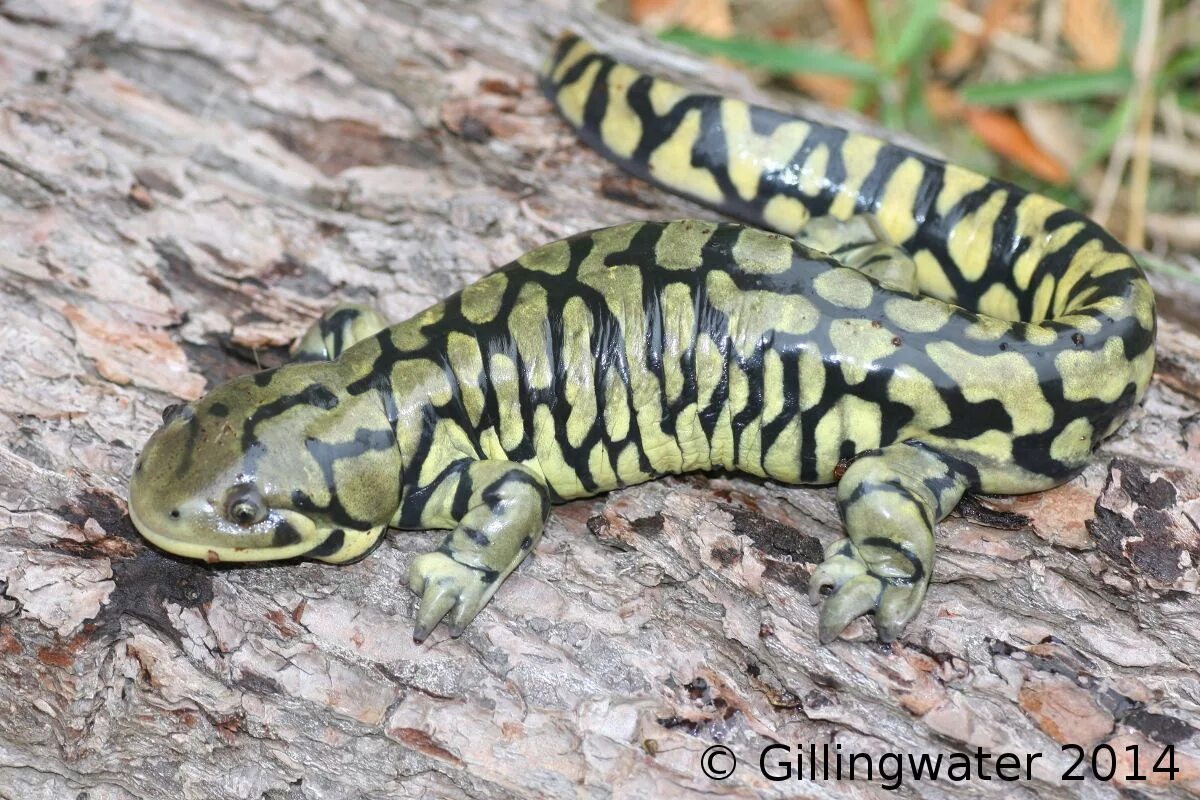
[911, 330]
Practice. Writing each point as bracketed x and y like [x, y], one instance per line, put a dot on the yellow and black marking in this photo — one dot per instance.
[939, 331]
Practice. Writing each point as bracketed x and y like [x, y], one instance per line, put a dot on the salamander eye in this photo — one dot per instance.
[171, 411]
[245, 506]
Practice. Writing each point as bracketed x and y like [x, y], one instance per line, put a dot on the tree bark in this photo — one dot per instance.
[186, 184]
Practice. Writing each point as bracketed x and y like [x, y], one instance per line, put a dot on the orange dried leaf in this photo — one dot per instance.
[1094, 32]
[709, 17]
[1013, 16]
[648, 11]
[942, 101]
[1005, 135]
[828, 89]
[853, 23]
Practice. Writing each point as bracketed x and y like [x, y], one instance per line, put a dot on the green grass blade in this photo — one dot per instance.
[779, 58]
[1061, 87]
[1155, 264]
[914, 35]
[1116, 122]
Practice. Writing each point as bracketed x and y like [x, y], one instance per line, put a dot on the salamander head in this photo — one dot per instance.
[269, 466]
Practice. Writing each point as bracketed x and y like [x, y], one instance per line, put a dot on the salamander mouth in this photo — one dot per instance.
[284, 535]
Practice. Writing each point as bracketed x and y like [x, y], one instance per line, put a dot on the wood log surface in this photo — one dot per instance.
[186, 184]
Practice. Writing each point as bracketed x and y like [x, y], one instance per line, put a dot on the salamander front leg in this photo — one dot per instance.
[890, 500]
[503, 507]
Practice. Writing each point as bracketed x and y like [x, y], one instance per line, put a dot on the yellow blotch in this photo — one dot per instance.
[812, 377]
[760, 252]
[616, 406]
[751, 313]
[662, 451]
[785, 214]
[858, 153]
[1040, 335]
[1100, 374]
[917, 391]
[629, 465]
[579, 423]
[917, 316]
[481, 300]
[1032, 213]
[1042, 245]
[847, 288]
[424, 378]
[433, 515]
[782, 461]
[853, 419]
[579, 388]
[467, 363]
[573, 98]
[750, 458]
[451, 442]
[558, 473]
[751, 155]
[1087, 258]
[671, 162]
[693, 444]
[1111, 262]
[1141, 368]
[601, 466]
[931, 279]
[572, 57]
[812, 179]
[681, 245]
[1074, 444]
[859, 345]
[553, 258]
[664, 95]
[987, 329]
[679, 320]
[957, 183]
[970, 241]
[505, 384]
[739, 389]
[773, 388]
[528, 324]
[710, 366]
[1043, 297]
[407, 335]
[1143, 303]
[721, 443]
[1007, 377]
[741, 145]
[999, 302]
[605, 242]
[621, 128]
[995, 446]
[489, 444]
[898, 203]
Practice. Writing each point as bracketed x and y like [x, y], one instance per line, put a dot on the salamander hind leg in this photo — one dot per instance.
[501, 508]
[339, 328]
[890, 500]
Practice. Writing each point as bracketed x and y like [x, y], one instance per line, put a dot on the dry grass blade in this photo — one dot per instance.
[1143, 70]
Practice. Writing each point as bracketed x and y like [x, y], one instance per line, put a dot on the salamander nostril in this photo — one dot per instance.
[174, 513]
